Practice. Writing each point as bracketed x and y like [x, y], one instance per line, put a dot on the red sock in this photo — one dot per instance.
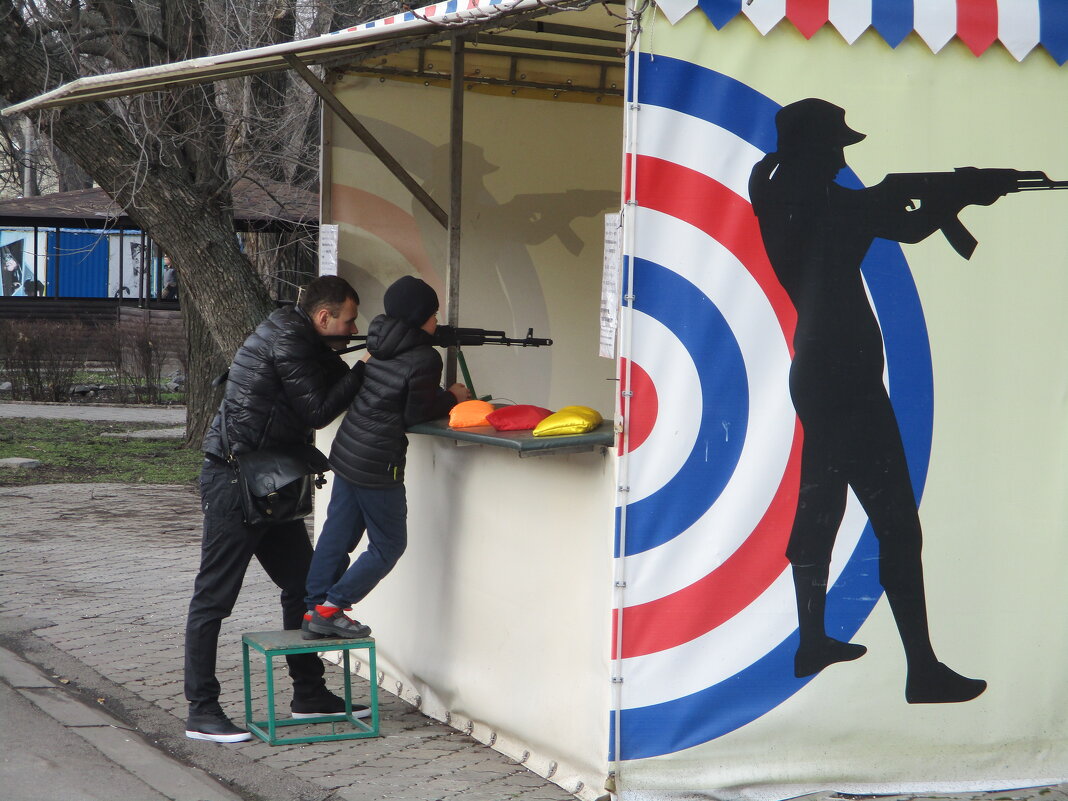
[326, 610]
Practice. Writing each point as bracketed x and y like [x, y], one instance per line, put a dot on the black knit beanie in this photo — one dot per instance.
[411, 299]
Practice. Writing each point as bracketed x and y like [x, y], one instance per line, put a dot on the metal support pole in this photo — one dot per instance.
[365, 136]
[36, 260]
[456, 149]
[122, 264]
[56, 264]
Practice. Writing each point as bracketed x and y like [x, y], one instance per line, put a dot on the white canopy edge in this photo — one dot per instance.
[440, 17]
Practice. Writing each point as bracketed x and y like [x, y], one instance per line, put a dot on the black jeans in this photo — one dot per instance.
[228, 546]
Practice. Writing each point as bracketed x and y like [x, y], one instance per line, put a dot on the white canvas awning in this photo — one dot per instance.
[431, 22]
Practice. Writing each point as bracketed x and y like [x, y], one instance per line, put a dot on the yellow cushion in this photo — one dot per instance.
[569, 420]
[470, 413]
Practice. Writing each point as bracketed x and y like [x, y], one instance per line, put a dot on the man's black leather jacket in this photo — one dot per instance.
[284, 383]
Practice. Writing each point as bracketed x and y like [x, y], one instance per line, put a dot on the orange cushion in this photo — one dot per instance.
[470, 413]
[521, 417]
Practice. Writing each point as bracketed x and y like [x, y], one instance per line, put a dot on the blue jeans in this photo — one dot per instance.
[383, 513]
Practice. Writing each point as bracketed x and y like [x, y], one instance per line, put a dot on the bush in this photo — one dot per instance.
[48, 360]
[142, 363]
[42, 359]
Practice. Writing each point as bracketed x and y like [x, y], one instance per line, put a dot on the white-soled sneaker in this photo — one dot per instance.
[325, 704]
[215, 727]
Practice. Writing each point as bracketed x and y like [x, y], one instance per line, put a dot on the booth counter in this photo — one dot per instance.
[497, 617]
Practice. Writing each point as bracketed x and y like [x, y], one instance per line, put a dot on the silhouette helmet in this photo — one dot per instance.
[813, 125]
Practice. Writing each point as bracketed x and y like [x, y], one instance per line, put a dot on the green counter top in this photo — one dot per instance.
[522, 441]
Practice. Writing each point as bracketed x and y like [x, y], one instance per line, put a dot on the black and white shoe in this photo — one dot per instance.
[338, 625]
[215, 727]
[326, 703]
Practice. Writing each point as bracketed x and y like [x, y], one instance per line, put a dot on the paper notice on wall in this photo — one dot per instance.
[613, 269]
[328, 236]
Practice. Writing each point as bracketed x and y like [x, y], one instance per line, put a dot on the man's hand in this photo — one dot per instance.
[460, 392]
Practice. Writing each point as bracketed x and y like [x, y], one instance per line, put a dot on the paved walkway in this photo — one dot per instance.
[166, 416]
[100, 575]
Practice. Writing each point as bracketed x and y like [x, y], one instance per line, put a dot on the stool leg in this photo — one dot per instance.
[348, 683]
[248, 682]
[271, 733]
[373, 667]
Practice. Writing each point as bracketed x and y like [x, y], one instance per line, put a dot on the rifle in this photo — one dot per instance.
[447, 336]
[965, 186]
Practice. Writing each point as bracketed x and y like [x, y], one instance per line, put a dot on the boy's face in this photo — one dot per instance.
[431, 325]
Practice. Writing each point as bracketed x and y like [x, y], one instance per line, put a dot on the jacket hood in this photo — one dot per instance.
[388, 337]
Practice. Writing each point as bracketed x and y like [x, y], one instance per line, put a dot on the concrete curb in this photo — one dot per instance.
[111, 738]
[151, 433]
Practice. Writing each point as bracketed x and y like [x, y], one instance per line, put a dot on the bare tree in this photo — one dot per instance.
[171, 158]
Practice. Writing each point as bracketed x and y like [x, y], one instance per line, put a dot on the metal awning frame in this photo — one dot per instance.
[431, 24]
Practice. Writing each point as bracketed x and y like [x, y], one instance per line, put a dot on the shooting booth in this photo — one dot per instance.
[629, 612]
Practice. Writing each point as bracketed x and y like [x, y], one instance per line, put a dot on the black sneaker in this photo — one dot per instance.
[216, 727]
[337, 625]
[325, 703]
[306, 633]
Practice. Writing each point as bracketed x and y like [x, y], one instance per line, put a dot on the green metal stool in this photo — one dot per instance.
[282, 643]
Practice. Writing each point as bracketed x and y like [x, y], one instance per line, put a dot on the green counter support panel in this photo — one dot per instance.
[522, 441]
[273, 644]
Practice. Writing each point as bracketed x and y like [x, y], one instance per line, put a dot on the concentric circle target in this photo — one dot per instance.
[709, 629]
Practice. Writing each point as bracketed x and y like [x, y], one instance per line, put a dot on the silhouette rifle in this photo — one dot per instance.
[968, 184]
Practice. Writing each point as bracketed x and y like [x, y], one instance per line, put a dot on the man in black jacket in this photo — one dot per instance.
[285, 381]
[400, 389]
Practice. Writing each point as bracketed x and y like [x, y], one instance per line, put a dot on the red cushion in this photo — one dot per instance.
[521, 417]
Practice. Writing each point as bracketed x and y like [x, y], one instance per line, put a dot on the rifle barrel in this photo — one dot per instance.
[1035, 184]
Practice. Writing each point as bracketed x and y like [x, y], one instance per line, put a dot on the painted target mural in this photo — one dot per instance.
[710, 624]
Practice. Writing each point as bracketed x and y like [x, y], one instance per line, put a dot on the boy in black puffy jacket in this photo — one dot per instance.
[401, 388]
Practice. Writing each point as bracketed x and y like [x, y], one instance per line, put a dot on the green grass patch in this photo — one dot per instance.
[73, 452]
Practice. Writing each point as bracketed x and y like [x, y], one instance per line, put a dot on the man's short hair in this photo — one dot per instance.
[327, 290]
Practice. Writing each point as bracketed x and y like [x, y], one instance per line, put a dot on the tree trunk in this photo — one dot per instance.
[171, 179]
[206, 363]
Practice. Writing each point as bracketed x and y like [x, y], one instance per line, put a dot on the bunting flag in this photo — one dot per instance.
[1020, 25]
[450, 12]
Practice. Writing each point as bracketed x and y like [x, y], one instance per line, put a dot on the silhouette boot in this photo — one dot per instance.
[929, 681]
[816, 650]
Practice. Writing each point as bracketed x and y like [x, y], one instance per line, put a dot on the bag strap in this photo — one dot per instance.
[225, 438]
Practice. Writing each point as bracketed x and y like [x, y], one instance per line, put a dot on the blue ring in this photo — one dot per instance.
[751, 693]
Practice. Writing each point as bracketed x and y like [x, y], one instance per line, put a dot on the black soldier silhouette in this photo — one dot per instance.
[816, 233]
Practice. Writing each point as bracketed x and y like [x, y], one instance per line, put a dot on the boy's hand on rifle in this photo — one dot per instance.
[460, 392]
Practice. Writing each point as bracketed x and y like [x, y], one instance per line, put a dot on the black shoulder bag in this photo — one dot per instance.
[275, 483]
